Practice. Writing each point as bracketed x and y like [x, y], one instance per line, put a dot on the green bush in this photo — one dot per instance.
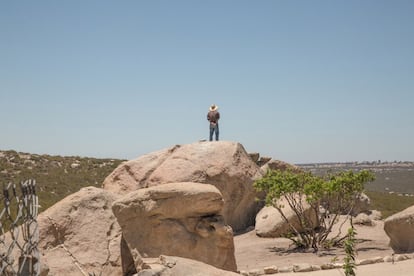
[327, 196]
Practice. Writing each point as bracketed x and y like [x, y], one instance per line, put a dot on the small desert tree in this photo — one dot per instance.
[315, 201]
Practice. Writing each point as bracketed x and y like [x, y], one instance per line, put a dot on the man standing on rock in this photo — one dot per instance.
[213, 117]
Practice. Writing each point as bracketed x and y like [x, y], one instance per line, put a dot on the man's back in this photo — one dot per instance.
[213, 116]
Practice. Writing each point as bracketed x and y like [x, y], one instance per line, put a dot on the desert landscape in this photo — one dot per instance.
[188, 210]
[254, 254]
[207, 138]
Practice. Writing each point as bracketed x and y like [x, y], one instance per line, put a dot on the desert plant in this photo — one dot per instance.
[349, 247]
[327, 197]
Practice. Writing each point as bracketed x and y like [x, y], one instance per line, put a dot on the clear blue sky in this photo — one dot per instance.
[300, 81]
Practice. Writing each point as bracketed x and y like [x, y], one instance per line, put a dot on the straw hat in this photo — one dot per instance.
[213, 107]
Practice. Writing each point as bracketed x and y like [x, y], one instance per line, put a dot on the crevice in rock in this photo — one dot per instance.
[109, 240]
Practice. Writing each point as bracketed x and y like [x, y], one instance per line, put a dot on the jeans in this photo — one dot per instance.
[214, 129]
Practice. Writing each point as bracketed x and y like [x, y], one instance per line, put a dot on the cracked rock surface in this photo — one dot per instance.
[80, 235]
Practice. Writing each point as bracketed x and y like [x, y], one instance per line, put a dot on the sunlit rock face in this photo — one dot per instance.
[177, 219]
[226, 165]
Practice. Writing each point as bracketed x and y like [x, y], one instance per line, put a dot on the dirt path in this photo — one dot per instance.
[253, 252]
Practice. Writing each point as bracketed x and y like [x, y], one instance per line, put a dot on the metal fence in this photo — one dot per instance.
[19, 233]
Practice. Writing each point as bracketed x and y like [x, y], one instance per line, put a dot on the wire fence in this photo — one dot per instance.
[19, 233]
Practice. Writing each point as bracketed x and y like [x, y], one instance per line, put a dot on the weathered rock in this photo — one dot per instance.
[177, 219]
[401, 257]
[80, 233]
[370, 261]
[279, 165]
[254, 156]
[316, 267]
[302, 268]
[286, 269]
[223, 164]
[263, 160]
[338, 265]
[363, 219]
[397, 258]
[134, 174]
[270, 223]
[389, 259]
[270, 269]
[362, 205]
[44, 267]
[375, 215]
[177, 266]
[256, 272]
[327, 266]
[400, 229]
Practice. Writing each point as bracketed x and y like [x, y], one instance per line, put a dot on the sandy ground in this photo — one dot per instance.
[403, 268]
[253, 252]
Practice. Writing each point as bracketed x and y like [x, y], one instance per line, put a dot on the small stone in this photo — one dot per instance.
[270, 269]
[327, 266]
[286, 269]
[375, 215]
[302, 268]
[370, 261]
[378, 260]
[399, 258]
[363, 219]
[316, 267]
[338, 265]
[256, 272]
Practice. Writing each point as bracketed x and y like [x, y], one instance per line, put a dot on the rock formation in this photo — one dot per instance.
[178, 201]
[223, 164]
[80, 234]
[400, 228]
[270, 223]
[177, 219]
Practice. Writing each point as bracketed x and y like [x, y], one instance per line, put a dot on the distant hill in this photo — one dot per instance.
[391, 192]
[56, 176]
[391, 177]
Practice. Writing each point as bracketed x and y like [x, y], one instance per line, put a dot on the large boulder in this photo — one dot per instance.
[223, 164]
[270, 223]
[80, 234]
[400, 229]
[177, 219]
